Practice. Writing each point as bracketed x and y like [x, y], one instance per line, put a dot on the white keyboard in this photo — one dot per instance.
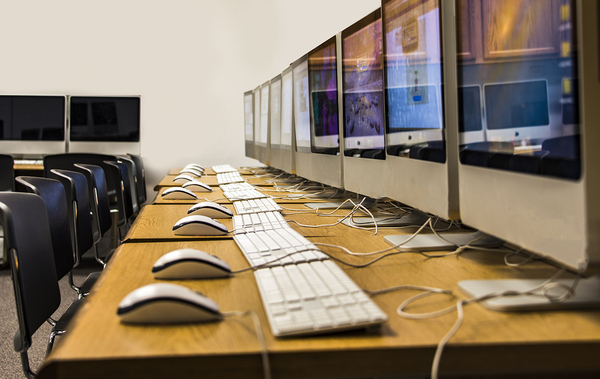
[313, 298]
[229, 177]
[272, 247]
[220, 169]
[257, 205]
[258, 222]
[244, 195]
[236, 186]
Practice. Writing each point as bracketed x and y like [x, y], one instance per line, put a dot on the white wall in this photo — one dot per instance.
[190, 60]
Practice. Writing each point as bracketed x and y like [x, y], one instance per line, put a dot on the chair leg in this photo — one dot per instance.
[98, 259]
[25, 365]
[72, 284]
[53, 335]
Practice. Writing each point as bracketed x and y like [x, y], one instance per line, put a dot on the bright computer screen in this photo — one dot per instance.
[287, 88]
[528, 95]
[362, 51]
[414, 112]
[104, 119]
[275, 109]
[322, 73]
[248, 120]
[32, 118]
[264, 115]
[256, 116]
[301, 105]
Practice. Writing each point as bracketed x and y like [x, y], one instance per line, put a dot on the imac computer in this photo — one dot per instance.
[316, 115]
[104, 124]
[533, 179]
[282, 122]
[261, 140]
[256, 115]
[32, 125]
[421, 161]
[248, 124]
[363, 106]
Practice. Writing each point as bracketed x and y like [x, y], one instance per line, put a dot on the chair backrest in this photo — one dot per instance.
[27, 239]
[132, 175]
[7, 173]
[53, 193]
[78, 199]
[113, 174]
[66, 162]
[141, 178]
[101, 195]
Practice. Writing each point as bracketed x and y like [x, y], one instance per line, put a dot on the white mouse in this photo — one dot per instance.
[199, 226]
[210, 209]
[180, 179]
[178, 193]
[190, 264]
[191, 171]
[196, 166]
[197, 186]
[166, 303]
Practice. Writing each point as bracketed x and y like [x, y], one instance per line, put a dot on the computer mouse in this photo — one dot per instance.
[196, 166]
[180, 179]
[190, 264]
[166, 303]
[197, 225]
[197, 186]
[191, 171]
[210, 209]
[178, 193]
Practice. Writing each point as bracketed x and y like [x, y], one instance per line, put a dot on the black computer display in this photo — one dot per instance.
[32, 118]
[104, 119]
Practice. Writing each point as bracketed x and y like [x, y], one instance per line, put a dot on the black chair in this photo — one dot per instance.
[35, 282]
[113, 172]
[99, 204]
[133, 189]
[7, 173]
[141, 178]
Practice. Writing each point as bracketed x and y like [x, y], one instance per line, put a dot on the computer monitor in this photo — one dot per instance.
[282, 153]
[363, 106]
[261, 140]
[316, 115]
[248, 124]
[421, 149]
[256, 114]
[32, 125]
[104, 124]
[534, 181]
[276, 153]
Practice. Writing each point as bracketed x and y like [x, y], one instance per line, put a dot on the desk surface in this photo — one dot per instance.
[210, 171]
[167, 181]
[98, 346]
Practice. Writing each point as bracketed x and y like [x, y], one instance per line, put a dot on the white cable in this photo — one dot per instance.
[259, 336]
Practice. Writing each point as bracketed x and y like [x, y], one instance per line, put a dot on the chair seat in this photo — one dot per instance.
[89, 282]
[63, 322]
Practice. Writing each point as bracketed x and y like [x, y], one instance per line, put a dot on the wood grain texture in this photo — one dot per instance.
[167, 181]
[210, 171]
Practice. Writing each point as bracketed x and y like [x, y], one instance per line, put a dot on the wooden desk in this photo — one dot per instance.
[489, 342]
[208, 171]
[28, 167]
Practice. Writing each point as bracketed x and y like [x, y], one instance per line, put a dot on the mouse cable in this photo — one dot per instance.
[259, 335]
[546, 286]
[350, 215]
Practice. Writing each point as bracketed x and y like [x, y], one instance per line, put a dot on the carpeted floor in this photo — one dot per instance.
[10, 361]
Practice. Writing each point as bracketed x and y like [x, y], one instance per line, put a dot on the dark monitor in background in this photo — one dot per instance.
[261, 138]
[248, 124]
[32, 125]
[104, 124]
[316, 115]
[534, 178]
[421, 169]
[363, 106]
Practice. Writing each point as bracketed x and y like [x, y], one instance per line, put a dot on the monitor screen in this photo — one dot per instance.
[301, 105]
[275, 109]
[264, 115]
[286, 109]
[248, 121]
[256, 116]
[322, 73]
[529, 93]
[362, 51]
[412, 59]
[104, 119]
[32, 118]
